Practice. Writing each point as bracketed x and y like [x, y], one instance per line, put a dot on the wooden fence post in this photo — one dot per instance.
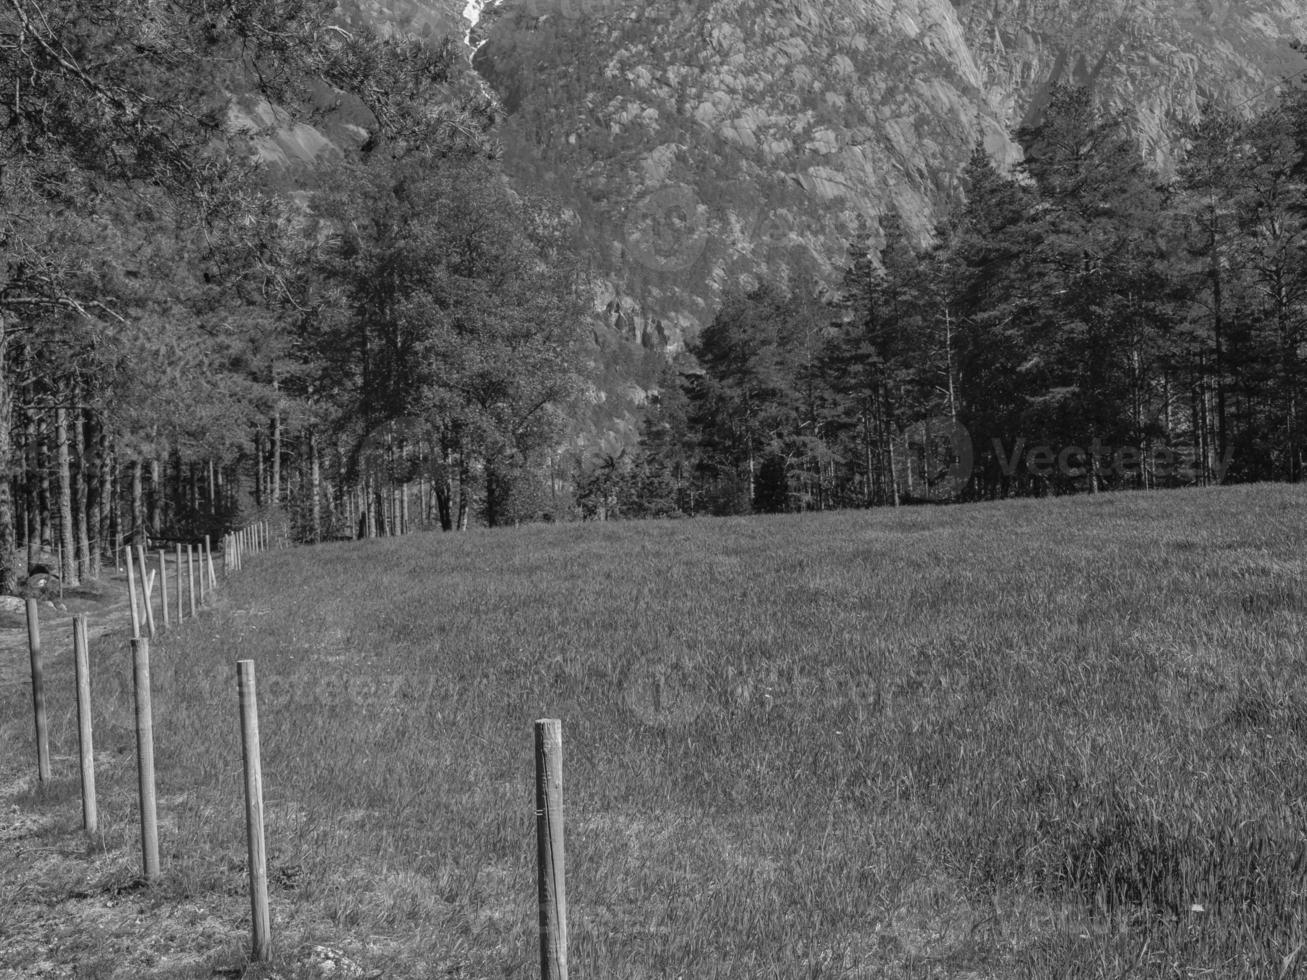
[261, 921]
[208, 557]
[90, 817]
[145, 758]
[38, 692]
[550, 875]
[147, 584]
[163, 588]
[180, 591]
[190, 577]
[131, 592]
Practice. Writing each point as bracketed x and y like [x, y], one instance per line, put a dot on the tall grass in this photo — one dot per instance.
[1034, 738]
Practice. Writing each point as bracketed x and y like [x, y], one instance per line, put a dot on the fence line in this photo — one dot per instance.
[140, 590]
[236, 545]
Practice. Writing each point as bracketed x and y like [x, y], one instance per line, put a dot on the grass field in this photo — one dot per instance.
[1024, 739]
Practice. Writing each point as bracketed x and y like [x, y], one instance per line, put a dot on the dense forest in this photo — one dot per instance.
[1080, 324]
[372, 337]
[383, 334]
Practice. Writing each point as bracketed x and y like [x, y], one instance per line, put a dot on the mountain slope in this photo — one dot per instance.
[705, 144]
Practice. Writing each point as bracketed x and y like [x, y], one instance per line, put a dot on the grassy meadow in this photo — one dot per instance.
[1061, 738]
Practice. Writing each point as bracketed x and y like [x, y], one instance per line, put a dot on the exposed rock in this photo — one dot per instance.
[708, 144]
[41, 585]
[705, 143]
[330, 964]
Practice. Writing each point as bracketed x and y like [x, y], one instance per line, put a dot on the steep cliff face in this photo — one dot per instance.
[708, 143]
[1157, 60]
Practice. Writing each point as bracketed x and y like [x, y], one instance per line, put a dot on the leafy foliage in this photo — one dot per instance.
[1078, 324]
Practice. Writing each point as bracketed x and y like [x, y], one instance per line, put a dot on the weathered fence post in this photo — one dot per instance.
[147, 583]
[163, 588]
[208, 557]
[131, 592]
[81, 656]
[549, 849]
[259, 915]
[180, 591]
[145, 758]
[38, 692]
[190, 577]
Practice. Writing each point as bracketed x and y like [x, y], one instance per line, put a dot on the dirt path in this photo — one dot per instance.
[104, 603]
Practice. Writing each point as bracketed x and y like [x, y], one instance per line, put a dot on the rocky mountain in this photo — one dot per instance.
[708, 142]
[703, 144]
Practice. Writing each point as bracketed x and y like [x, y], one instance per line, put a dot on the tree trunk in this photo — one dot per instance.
[152, 499]
[445, 490]
[46, 534]
[81, 497]
[1218, 366]
[136, 526]
[113, 502]
[315, 487]
[18, 494]
[259, 489]
[32, 493]
[67, 539]
[213, 490]
[369, 509]
[93, 469]
[464, 497]
[8, 581]
[194, 474]
[276, 458]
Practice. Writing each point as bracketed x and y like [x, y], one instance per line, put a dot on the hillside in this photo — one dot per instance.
[703, 146]
[706, 143]
[1030, 738]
